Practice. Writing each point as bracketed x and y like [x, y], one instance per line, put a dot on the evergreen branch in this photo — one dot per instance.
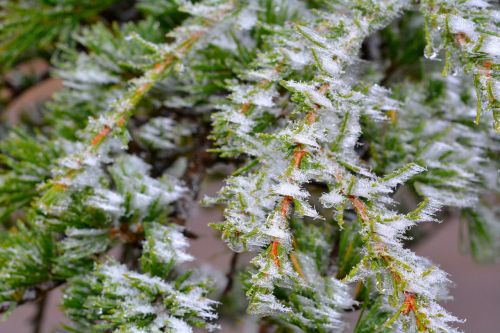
[120, 112]
[274, 267]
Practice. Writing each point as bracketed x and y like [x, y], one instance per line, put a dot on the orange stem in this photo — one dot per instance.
[274, 252]
[102, 134]
[285, 204]
[360, 208]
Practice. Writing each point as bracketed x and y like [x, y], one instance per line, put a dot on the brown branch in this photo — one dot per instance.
[230, 274]
[32, 294]
[39, 315]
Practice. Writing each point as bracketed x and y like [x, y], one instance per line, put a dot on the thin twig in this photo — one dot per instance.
[358, 322]
[230, 274]
[32, 294]
[264, 327]
[38, 318]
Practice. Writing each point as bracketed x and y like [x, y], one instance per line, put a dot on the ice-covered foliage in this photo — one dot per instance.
[435, 129]
[308, 99]
[467, 32]
[142, 301]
